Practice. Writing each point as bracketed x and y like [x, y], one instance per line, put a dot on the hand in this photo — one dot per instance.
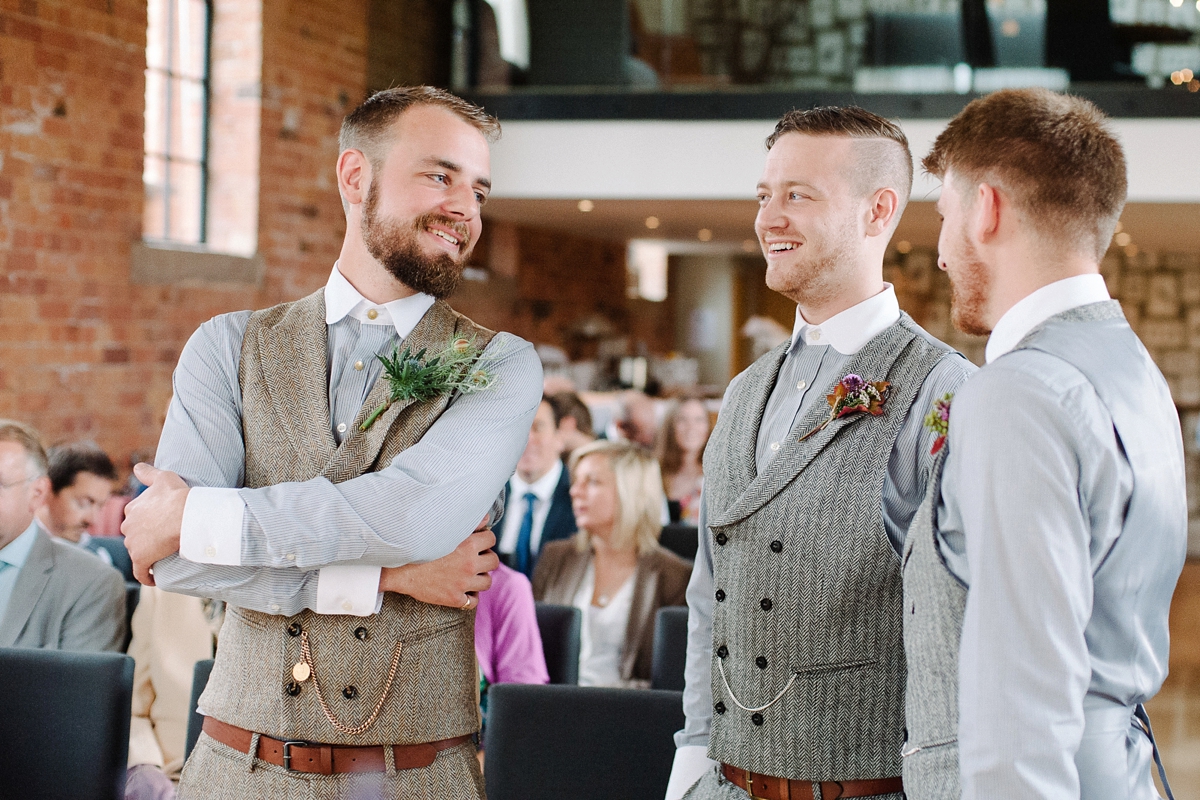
[153, 519]
[453, 581]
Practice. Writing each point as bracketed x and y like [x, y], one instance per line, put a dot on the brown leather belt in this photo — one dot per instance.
[768, 787]
[327, 759]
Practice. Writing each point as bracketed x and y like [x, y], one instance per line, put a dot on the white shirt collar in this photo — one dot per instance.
[1036, 308]
[543, 487]
[847, 331]
[343, 300]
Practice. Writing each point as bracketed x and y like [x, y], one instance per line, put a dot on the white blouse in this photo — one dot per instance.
[603, 632]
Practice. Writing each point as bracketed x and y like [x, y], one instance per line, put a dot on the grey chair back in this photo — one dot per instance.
[670, 648]
[115, 546]
[200, 674]
[65, 724]
[560, 628]
[581, 742]
[680, 539]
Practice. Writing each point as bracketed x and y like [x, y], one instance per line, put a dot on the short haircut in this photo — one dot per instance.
[368, 127]
[68, 460]
[30, 442]
[568, 404]
[883, 158]
[1053, 154]
[639, 493]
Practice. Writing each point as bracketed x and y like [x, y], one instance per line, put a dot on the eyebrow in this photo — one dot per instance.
[450, 166]
[789, 185]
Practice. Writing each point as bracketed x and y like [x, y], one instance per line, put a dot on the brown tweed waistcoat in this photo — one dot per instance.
[288, 435]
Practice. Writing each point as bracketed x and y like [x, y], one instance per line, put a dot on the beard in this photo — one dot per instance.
[969, 288]
[395, 245]
[815, 278]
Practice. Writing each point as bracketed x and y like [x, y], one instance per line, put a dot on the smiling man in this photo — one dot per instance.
[795, 664]
[333, 506]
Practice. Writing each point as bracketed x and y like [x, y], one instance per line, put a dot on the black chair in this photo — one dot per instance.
[560, 628]
[133, 593]
[65, 724]
[200, 674]
[670, 648]
[581, 742]
[680, 539]
[115, 546]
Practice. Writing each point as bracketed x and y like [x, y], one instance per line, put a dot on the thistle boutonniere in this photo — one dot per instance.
[853, 395]
[410, 376]
[938, 421]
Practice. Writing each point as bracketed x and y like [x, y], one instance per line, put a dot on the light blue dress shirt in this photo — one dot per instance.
[12, 558]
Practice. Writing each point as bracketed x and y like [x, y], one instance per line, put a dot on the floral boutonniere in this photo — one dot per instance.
[938, 421]
[414, 377]
[853, 395]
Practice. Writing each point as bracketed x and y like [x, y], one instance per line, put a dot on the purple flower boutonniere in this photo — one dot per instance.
[853, 395]
[938, 421]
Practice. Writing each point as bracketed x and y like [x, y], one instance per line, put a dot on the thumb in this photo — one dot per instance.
[146, 473]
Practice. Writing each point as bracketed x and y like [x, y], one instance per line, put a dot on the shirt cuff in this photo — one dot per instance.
[691, 762]
[349, 589]
[211, 531]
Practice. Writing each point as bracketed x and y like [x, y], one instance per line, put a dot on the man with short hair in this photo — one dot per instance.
[538, 496]
[82, 477]
[1038, 575]
[334, 500]
[52, 594]
[795, 665]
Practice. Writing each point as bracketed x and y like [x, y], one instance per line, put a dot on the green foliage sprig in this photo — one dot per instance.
[457, 368]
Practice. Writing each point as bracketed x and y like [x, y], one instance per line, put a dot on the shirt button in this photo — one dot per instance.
[347, 605]
[290, 556]
[775, 446]
[341, 428]
[801, 385]
[358, 365]
[210, 551]
[814, 334]
[372, 313]
[274, 606]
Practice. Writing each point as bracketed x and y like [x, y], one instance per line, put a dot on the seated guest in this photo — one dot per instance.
[52, 594]
[574, 421]
[636, 419]
[614, 570]
[171, 632]
[82, 477]
[538, 508]
[680, 448]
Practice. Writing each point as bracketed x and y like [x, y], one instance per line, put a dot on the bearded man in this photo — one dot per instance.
[1039, 571]
[795, 663]
[332, 504]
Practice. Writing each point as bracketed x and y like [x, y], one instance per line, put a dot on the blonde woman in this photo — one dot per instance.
[613, 569]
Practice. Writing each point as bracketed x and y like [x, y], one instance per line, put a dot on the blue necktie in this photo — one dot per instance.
[523, 558]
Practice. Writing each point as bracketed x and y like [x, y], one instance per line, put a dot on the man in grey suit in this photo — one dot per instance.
[1038, 578]
[53, 595]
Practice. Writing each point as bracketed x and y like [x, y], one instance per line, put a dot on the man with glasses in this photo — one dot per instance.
[52, 594]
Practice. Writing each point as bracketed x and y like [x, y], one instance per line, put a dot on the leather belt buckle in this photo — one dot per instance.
[287, 751]
[750, 786]
[321, 764]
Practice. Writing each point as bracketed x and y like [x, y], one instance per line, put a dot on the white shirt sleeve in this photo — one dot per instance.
[211, 531]
[691, 762]
[349, 589]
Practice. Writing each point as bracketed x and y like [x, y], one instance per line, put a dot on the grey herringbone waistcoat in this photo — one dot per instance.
[934, 601]
[808, 666]
[287, 430]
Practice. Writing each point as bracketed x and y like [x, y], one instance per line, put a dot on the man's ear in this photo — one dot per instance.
[883, 210]
[354, 176]
[989, 204]
[39, 492]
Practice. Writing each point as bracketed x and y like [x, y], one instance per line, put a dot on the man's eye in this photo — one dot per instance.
[439, 177]
[480, 198]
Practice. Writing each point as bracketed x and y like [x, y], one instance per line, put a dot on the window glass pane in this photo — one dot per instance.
[187, 119]
[191, 32]
[183, 203]
[156, 41]
[156, 96]
[154, 214]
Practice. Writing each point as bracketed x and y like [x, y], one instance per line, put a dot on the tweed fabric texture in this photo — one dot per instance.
[288, 437]
[934, 600]
[714, 786]
[808, 582]
[217, 772]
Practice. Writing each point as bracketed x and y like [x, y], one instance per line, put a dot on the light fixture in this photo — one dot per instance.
[651, 222]
[1176, 77]
[646, 265]
[1122, 239]
[586, 205]
[1187, 75]
[903, 247]
[1194, 85]
[1177, 3]
[749, 246]
[704, 235]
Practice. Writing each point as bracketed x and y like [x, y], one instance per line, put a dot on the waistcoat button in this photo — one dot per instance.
[776, 546]
[761, 661]
[294, 629]
[722, 651]
[350, 692]
[722, 539]
[360, 634]
[292, 688]
[720, 595]
[719, 708]
[766, 604]
[756, 719]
